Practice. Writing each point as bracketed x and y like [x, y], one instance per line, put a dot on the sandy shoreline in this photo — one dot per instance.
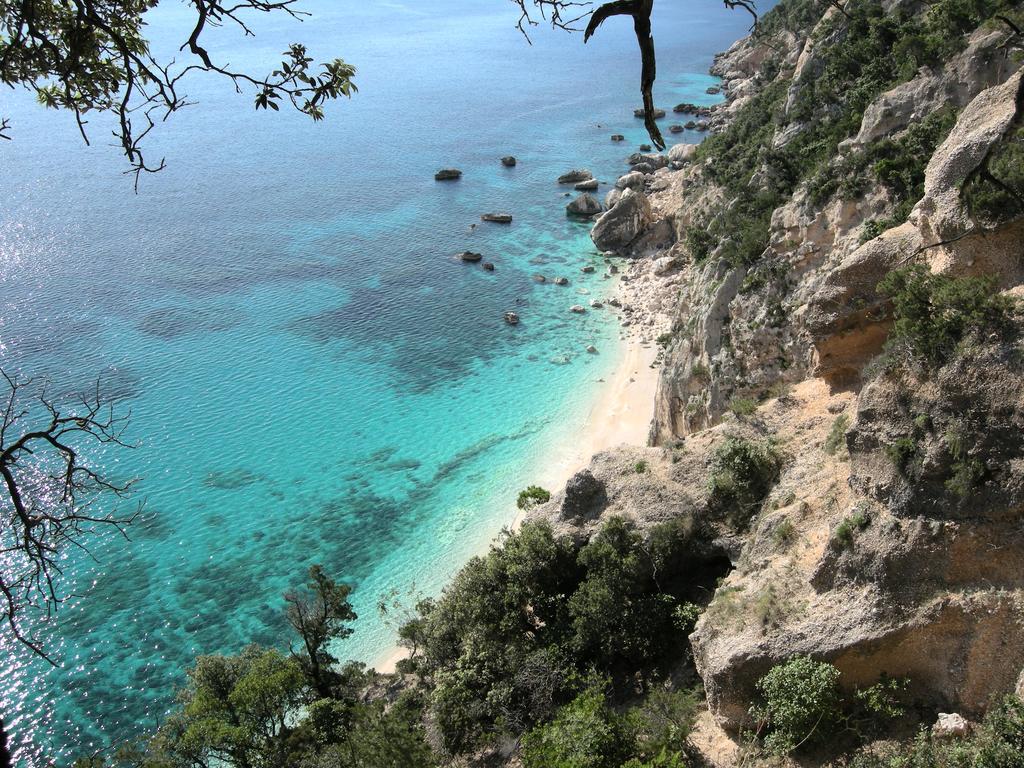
[622, 411]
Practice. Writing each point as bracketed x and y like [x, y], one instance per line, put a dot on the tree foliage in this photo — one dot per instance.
[93, 56]
[518, 632]
[319, 614]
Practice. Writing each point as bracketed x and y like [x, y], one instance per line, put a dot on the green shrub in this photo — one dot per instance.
[837, 435]
[686, 616]
[936, 313]
[664, 339]
[663, 722]
[877, 705]
[743, 406]
[995, 193]
[902, 453]
[742, 473]
[967, 472]
[847, 529]
[585, 733]
[532, 495]
[640, 467]
[784, 533]
[800, 703]
[998, 743]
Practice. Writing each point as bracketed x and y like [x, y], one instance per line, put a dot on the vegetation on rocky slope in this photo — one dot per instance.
[862, 51]
[574, 651]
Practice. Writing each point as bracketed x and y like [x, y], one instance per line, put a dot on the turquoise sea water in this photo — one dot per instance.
[312, 376]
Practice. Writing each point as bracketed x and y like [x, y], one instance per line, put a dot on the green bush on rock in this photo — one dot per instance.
[531, 496]
[936, 313]
[742, 473]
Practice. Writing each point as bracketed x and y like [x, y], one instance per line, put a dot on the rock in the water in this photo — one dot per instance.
[714, 90]
[511, 318]
[596, 304]
[589, 185]
[658, 113]
[471, 257]
[575, 176]
[448, 174]
[561, 281]
[619, 227]
[950, 726]
[645, 147]
[498, 218]
[691, 124]
[585, 496]
[539, 279]
[508, 161]
[702, 125]
[614, 302]
[588, 268]
[579, 309]
[692, 109]
[584, 205]
[591, 349]
[489, 266]
[675, 128]
[618, 137]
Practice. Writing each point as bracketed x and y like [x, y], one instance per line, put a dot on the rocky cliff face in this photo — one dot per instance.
[891, 540]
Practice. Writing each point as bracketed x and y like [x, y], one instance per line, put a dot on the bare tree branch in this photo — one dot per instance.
[49, 491]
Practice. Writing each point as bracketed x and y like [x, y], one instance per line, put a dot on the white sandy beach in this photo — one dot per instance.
[621, 413]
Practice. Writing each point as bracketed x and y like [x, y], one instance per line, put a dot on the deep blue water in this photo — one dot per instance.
[312, 376]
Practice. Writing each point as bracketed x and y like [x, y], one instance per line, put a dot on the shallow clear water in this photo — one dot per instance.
[312, 376]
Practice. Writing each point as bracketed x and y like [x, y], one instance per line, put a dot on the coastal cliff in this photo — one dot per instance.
[880, 530]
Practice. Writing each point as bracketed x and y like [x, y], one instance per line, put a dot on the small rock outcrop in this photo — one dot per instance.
[471, 256]
[509, 161]
[497, 218]
[584, 496]
[658, 113]
[448, 174]
[575, 176]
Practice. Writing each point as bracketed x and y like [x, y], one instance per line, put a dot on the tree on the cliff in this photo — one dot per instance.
[319, 614]
[53, 495]
[93, 56]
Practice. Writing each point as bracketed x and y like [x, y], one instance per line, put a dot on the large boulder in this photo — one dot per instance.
[585, 205]
[631, 180]
[621, 225]
[682, 153]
